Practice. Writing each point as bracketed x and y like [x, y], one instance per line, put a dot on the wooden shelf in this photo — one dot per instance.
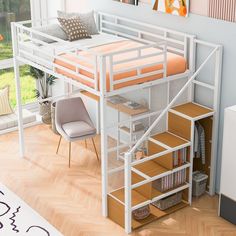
[151, 168]
[137, 198]
[119, 107]
[124, 109]
[157, 193]
[169, 139]
[192, 110]
[127, 130]
[157, 214]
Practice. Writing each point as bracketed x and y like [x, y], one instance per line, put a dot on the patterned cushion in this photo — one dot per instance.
[74, 28]
[5, 107]
[86, 18]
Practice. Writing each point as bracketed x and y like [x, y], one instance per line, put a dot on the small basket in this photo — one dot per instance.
[53, 116]
[141, 213]
[199, 183]
[168, 202]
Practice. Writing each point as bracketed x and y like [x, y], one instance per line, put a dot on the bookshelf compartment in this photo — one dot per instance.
[156, 214]
[116, 212]
[116, 209]
[169, 182]
[207, 124]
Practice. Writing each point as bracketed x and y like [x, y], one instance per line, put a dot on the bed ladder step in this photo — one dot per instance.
[192, 111]
[169, 141]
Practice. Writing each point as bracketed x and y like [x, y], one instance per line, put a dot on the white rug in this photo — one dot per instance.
[17, 218]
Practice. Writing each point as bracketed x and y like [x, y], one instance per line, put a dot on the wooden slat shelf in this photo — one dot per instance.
[151, 168]
[169, 139]
[137, 198]
[192, 110]
[157, 214]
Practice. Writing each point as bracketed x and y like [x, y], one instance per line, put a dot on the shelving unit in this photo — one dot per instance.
[159, 164]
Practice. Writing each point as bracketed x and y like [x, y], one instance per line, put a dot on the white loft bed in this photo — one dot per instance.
[100, 79]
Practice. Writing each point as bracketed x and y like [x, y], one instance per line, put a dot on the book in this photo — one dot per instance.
[132, 105]
[117, 100]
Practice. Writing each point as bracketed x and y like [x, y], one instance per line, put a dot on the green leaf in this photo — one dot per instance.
[36, 73]
[51, 80]
[37, 93]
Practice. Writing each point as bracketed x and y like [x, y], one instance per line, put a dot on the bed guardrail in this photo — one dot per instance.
[177, 42]
[33, 45]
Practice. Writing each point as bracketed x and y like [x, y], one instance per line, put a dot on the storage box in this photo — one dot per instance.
[168, 202]
[199, 183]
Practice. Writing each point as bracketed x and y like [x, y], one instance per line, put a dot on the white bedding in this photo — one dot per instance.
[45, 53]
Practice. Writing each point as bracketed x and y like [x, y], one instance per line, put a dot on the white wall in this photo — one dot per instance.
[205, 28]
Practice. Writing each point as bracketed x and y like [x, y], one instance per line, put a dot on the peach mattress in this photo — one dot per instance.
[175, 64]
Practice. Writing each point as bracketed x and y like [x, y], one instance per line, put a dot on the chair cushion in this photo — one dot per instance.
[78, 129]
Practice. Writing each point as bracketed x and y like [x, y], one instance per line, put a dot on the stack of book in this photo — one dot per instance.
[179, 178]
[170, 181]
[180, 157]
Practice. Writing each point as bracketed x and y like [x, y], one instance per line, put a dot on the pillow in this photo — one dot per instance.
[5, 107]
[74, 28]
[53, 30]
[86, 18]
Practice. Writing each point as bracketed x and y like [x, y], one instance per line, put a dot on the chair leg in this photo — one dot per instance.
[69, 153]
[85, 141]
[95, 149]
[58, 145]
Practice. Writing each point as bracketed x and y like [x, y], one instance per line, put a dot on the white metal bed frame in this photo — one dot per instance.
[152, 36]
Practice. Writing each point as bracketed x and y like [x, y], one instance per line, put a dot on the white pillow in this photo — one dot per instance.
[52, 30]
[87, 19]
[5, 107]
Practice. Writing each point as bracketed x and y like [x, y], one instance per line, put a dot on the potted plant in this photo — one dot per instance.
[44, 81]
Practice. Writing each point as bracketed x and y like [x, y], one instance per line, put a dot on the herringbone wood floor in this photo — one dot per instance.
[70, 199]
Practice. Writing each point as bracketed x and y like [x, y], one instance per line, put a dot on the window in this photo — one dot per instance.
[14, 10]
[27, 84]
[11, 10]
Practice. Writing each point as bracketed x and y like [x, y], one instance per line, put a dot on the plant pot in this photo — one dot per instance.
[53, 110]
[45, 112]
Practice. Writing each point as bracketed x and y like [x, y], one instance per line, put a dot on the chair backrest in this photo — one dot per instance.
[70, 110]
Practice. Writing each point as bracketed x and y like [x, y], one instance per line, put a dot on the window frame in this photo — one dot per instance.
[36, 8]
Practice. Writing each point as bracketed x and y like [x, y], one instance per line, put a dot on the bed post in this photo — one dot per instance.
[18, 89]
[216, 107]
[128, 196]
[103, 104]
[192, 66]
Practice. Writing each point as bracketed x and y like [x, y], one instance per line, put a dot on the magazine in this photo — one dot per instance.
[116, 100]
[132, 105]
